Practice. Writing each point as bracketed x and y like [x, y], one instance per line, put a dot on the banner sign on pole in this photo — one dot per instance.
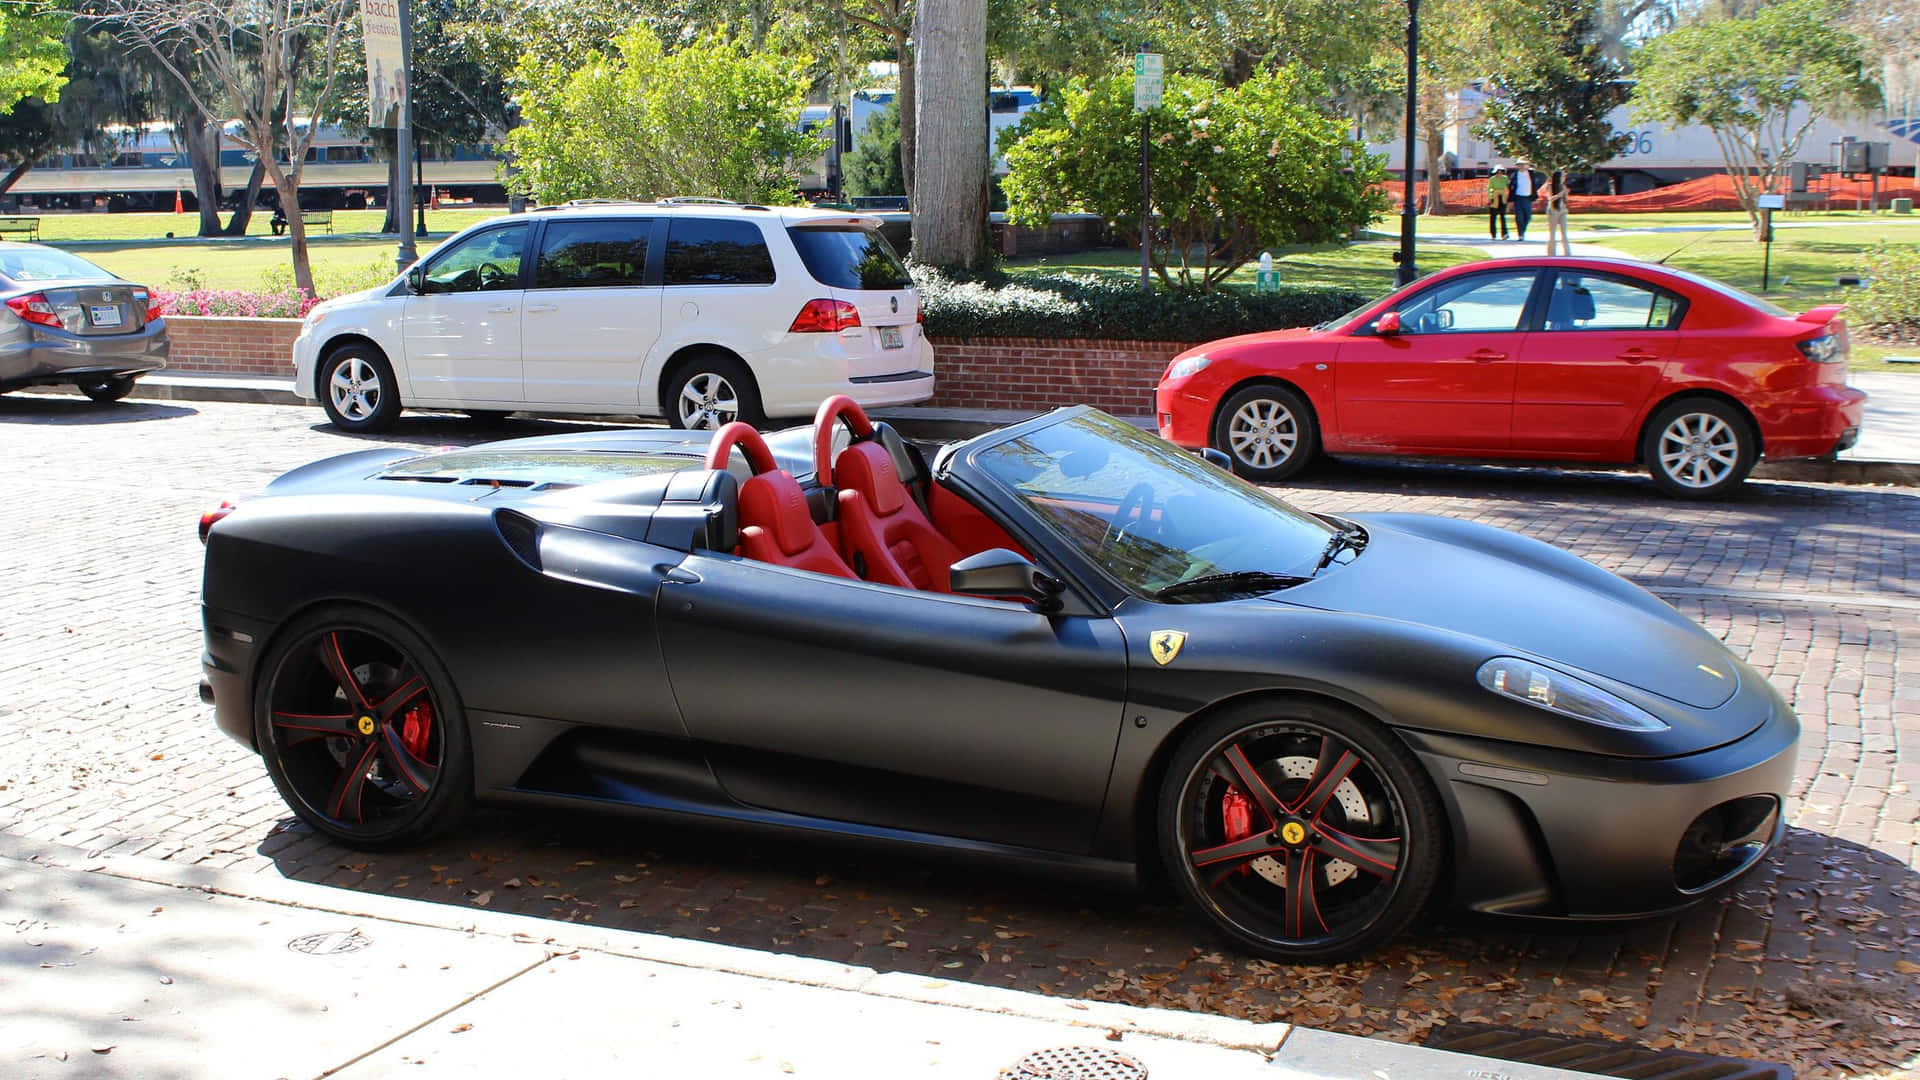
[1149, 80]
[386, 62]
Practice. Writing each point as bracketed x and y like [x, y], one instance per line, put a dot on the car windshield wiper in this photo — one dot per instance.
[1231, 582]
[1341, 540]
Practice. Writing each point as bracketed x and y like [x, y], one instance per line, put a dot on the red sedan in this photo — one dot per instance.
[1553, 359]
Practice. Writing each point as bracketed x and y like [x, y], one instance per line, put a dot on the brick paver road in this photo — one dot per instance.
[1813, 961]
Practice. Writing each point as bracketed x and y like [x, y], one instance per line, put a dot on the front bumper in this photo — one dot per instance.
[1546, 833]
[44, 356]
[1182, 413]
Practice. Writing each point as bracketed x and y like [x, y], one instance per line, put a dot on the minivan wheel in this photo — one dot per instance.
[356, 387]
[109, 389]
[711, 391]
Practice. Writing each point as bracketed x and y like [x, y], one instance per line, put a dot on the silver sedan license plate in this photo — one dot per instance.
[104, 314]
[890, 337]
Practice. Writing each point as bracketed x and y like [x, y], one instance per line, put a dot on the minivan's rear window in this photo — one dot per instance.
[850, 258]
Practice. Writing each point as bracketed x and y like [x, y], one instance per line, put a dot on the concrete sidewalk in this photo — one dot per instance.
[127, 967]
[1888, 451]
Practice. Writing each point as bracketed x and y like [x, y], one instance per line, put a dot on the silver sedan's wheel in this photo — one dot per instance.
[1267, 432]
[356, 388]
[711, 392]
[1698, 447]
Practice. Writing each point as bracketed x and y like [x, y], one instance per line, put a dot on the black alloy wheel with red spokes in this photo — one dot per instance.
[361, 730]
[1301, 831]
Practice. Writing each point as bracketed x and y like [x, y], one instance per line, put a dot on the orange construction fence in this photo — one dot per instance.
[1703, 193]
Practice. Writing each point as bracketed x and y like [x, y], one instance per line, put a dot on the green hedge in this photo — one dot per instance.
[1066, 306]
[1891, 299]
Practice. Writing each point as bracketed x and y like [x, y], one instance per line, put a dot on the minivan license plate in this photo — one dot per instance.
[890, 337]
[104, 314]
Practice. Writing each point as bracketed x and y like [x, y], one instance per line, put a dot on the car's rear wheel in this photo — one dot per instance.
[1300, 831]
[1267, 432]
[357, 389]
[711, 391]
[1698, 448]
[362, 732]
[109, 389]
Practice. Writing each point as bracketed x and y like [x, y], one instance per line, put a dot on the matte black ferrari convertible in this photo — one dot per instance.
[1065, 640]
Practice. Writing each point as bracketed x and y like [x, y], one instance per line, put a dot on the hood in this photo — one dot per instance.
[344, 299]
[1530, 597]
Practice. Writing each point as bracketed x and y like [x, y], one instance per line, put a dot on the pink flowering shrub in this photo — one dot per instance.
[281, 304]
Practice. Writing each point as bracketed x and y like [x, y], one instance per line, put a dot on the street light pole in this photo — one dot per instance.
[1408, 271]
[403, 143]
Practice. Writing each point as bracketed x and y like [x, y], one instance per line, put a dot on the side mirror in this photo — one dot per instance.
[417, 279]
[999, 572]
[1387, 324]
[1217, 458]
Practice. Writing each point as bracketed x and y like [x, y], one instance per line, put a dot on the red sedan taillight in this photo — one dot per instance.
[825, 317]
[34, 308]
[212, 517]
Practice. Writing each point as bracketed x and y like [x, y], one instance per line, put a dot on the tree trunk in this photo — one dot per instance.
[393, 188]
[243, 214]
[950, 148]
[1436, 140]
[288, 186]
[202, 143]
[907, 121]
[14, 174]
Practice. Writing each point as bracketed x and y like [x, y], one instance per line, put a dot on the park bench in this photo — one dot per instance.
[312, 218]
[28, 227]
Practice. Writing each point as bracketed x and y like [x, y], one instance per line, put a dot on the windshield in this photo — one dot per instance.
[850, 258]
[1347, 318]
[48, 264]
[1148, 513]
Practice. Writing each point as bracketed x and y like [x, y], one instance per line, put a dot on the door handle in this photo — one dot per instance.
[531, 308]
[1485, 356]
[506, 310]
[1635, 356]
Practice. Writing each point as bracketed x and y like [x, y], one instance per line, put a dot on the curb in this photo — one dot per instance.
[940, 424]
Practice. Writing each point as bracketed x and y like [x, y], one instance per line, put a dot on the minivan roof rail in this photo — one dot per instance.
[695, 200]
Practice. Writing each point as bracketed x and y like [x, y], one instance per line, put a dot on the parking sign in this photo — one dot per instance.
[1149, 80]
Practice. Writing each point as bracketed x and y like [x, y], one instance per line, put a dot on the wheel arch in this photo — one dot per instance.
[687, 354]
[1706, 393]
[345, 340]
[1263, 379]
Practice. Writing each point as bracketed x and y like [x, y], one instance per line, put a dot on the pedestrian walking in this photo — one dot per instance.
[1497, 203]
[1522, 190]
[1556, 192]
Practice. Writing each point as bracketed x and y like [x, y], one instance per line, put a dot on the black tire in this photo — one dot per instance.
[696, 394]
[1697, 448]
[1337, 783]
[356, 387]
[362, 730]
[107, 390]
[1275, 430]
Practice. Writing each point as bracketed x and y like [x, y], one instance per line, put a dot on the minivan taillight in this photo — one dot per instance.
[825, 317]
[34, 308]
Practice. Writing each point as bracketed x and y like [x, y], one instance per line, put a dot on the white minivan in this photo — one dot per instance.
[696, 310]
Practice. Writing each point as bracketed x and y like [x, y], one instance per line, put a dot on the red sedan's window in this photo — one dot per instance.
[1596, 302]
[1476, 304]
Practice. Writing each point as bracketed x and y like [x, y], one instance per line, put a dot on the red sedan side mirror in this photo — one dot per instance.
[1387, 324]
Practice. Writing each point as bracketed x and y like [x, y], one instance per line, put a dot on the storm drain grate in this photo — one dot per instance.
[1075, 1063]
[1604, 1056]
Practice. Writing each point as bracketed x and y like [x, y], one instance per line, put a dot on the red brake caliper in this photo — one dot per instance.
[415, 728]
[1236, 817]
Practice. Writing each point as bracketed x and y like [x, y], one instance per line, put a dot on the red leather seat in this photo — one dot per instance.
[881, 528]
[775, 525]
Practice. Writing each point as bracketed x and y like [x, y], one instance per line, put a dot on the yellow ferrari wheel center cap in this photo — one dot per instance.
[1293, 832]
[366, 725]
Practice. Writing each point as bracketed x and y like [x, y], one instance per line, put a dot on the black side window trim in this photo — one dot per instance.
[1680, 303]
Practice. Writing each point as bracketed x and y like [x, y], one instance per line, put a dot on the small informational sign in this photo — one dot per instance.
[1773, 202]
[386, 62]
[1266, 281]
[1149, 80]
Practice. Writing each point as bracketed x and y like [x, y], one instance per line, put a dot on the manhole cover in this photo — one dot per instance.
[1075, 1063]
[331, 943]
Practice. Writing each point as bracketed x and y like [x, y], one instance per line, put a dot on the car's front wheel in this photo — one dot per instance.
[1267, 432]
[361, 730]
[109, 389]
[711, 391]
[357, 389]
[1302, 832]
[1699, 447]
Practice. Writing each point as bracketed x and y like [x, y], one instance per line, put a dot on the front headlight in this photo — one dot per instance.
[1559, 692]
[1190, 365]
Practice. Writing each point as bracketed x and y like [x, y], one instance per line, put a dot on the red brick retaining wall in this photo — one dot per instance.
[974, 373]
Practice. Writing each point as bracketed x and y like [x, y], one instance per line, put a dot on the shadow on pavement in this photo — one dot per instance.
[67, 411]
[1820, 933]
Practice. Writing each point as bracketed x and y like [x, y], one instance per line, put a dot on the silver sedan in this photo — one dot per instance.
[67, 321]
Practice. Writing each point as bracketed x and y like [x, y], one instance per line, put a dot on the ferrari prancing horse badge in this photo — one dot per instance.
[1165, 645]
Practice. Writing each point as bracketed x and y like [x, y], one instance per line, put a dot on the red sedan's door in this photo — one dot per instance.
[1602, 350]
[1443, 382]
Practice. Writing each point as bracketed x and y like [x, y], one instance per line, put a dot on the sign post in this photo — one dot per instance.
[1149, 86]
[1768, 204]
[385, 27]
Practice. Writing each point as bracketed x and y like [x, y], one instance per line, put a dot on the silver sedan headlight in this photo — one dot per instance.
[1558, 692]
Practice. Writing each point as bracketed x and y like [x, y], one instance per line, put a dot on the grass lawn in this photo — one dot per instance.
[1366, 267]
[59, 227]
[1475, 224]
[244, 264]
